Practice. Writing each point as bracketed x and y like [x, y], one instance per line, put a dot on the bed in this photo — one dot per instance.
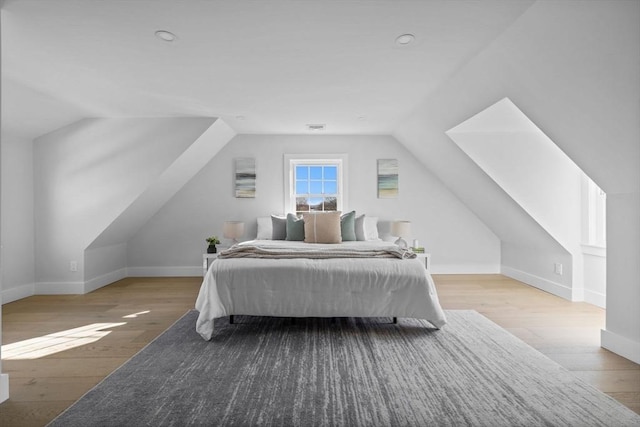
[297, 279]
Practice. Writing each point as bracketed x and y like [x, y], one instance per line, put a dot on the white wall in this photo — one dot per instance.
[534, 264]
[622, 334]
[174, 237]
[86, 175]
[16, 202]
[4, 378]
[536, 174]
[595, 275]
[104, 265]
[105, 257]
[540, 178]
[582, 91]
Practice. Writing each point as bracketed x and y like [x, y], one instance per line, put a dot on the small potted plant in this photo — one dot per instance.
[213, 241]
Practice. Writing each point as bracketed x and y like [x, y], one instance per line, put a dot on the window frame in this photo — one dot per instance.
[594, 214]
[293, 160]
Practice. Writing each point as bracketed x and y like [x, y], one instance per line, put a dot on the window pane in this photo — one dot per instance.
[302, 187]
[315, 187]
[315, 203]
[302, 172]
[315, 172]
[330, 187]
[330, 172]
[330, 204]
[301, 204]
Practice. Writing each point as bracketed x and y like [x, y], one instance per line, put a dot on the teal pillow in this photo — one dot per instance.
[295, 228]
[279, 227]
[348, 226]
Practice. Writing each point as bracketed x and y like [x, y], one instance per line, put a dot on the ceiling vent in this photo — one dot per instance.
[316, 128]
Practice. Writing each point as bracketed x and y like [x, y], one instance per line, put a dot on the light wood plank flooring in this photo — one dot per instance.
[42, 388]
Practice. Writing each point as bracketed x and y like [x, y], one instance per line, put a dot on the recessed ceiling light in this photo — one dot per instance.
[166, 35]
[405, 39]
[240, 118]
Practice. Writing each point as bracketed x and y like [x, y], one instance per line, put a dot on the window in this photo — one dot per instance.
[314, 183]
[594, 202]
[316, 187]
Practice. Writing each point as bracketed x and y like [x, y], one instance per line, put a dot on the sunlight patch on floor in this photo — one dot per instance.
[134, 315]
[46, 345]
[56, 342]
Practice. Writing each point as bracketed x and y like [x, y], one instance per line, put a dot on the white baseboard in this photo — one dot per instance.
[595, 298]
[464, 269]
[104, 280]
[538, 282]
[17, 292]
[4, 387]
[59, 288]
[620, 345]
[71, 288]
[164, 271]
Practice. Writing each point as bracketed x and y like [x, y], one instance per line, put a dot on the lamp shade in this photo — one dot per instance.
[233, 229]
[401, 228]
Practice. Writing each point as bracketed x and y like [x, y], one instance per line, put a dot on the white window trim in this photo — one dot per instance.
[291, 160]
[594, 200]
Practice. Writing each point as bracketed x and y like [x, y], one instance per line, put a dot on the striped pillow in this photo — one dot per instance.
[322, 227]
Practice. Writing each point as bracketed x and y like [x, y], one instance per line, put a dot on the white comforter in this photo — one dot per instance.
[302, 287]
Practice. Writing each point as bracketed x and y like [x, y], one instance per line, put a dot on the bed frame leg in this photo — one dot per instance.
[395, 320]
[231, 319]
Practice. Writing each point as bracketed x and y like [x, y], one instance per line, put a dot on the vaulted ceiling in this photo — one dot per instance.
[262, 66]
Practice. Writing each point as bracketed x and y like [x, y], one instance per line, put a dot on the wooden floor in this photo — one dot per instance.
[140, 309]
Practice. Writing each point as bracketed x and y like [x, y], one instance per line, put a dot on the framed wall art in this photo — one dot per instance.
[245, 178]
[387, 178]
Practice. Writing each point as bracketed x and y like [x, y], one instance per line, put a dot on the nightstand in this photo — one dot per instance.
[207, 259]
[427, 259]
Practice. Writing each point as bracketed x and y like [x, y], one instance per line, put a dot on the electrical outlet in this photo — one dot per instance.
[73, 266]
[557, 268]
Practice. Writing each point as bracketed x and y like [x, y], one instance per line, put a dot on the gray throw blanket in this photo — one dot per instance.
[254, 251]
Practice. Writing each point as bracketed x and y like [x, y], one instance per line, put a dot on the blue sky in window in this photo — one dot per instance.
[311, 179]
[315, 187]
[330, 187]
[302, 187]
[315, 172]
[302, 172]
[330, 172]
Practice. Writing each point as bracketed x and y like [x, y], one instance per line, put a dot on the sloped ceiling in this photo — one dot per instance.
[181, 170]
[262, 66]
[528, 166]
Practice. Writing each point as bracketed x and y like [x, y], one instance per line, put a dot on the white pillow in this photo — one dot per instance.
[371, 228]
[265, 228]
[360, 234]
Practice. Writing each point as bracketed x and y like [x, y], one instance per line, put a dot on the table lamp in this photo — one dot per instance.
[233, 230]
[402, 229]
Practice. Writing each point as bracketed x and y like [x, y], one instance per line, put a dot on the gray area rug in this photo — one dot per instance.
[356, 372]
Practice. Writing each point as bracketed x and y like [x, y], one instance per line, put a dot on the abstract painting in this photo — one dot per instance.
[245, 177]
[387, 178]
